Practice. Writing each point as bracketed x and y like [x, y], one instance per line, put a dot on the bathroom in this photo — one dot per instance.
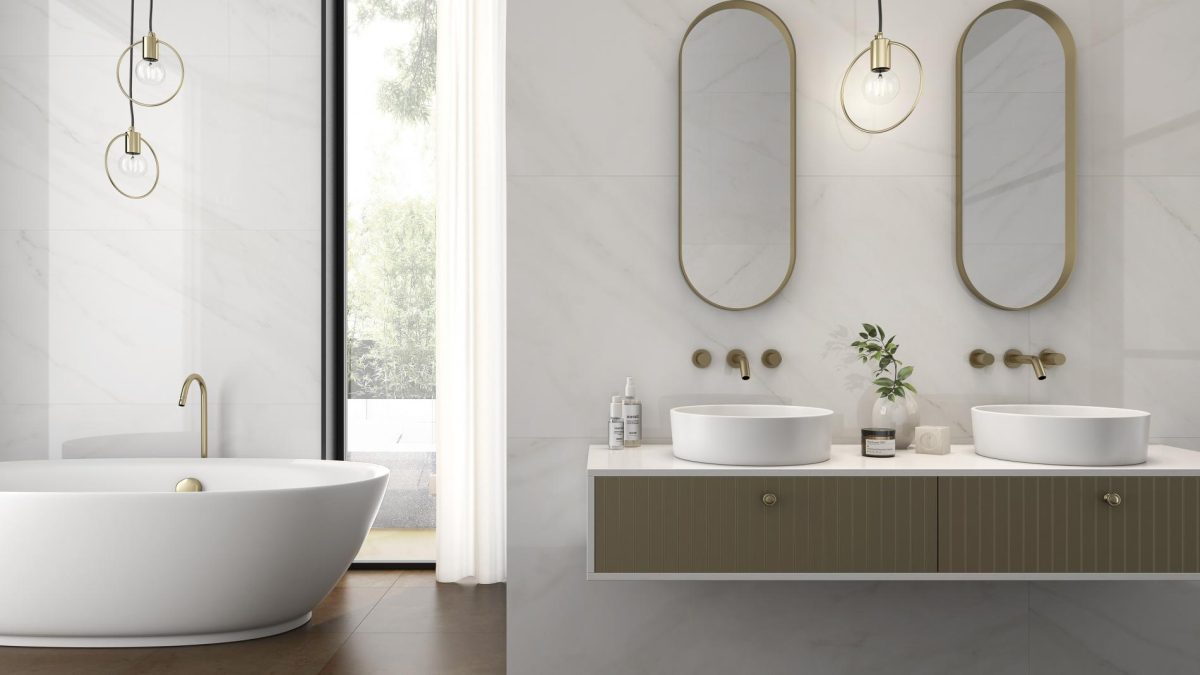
[233, 268]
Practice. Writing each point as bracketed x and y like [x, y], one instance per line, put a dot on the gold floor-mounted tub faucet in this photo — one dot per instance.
[195, 377]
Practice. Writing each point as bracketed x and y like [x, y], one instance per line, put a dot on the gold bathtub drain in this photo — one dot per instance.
[189, 484]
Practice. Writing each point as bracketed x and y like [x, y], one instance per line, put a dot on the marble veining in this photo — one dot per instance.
[591, 228]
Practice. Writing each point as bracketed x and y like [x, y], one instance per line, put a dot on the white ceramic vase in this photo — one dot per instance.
[903, 415]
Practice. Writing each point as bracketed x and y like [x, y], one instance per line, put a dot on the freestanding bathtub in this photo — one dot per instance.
[105, 553]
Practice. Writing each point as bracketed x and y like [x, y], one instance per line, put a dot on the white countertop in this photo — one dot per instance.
[847, 460]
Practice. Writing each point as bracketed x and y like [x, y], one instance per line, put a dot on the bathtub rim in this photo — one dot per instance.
[376, 472]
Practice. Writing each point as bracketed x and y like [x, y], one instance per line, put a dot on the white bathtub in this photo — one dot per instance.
[104, 552]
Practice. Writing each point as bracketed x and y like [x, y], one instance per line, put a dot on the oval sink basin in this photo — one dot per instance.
[1075, 435]
[753, 435]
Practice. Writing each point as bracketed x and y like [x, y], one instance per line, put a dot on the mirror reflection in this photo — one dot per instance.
[737, 155]
[1016, 192]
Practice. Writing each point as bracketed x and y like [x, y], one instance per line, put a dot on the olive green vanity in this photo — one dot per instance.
[953, 516]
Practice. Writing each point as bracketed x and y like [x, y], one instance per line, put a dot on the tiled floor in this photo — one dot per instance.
[373, 622]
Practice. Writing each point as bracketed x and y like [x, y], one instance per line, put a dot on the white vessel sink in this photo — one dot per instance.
[755, 435]
[1075, 435]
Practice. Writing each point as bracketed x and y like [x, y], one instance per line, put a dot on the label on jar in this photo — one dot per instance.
[616, 433]
[881, 447]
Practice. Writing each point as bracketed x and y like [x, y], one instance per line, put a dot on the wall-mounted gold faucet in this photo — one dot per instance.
[195, 377]
[1013, 358]
[737, 359]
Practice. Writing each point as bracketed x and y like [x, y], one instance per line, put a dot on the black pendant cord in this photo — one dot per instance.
[152, 15]
[132, 7]
[880, 14]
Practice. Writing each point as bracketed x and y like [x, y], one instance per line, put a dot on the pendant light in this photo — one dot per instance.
[158, 70]
[881, 85]
[131, 172]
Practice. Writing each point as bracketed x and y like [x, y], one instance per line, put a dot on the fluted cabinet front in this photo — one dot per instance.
[1073, 524]
[694, 524]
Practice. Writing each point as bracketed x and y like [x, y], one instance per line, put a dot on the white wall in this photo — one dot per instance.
[107, 303]
[592, 217]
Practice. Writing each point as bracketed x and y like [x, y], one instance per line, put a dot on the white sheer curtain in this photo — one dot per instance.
[471, 436]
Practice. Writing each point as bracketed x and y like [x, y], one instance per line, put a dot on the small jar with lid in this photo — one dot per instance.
[878, 442]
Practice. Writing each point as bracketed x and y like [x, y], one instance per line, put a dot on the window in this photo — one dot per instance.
[390, 49]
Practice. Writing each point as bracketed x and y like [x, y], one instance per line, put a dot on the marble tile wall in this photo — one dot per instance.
[108, 303]
[595, 294]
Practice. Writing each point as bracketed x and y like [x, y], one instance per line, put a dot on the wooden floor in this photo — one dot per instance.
[373, 622]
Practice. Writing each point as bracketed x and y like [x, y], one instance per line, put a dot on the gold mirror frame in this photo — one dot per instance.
[1069, 57]
[791, 46]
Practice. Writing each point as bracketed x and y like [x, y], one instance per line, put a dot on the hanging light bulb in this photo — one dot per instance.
[136, 174]
[159, 69]
[881, 88]
[881, 85]
[149, 72]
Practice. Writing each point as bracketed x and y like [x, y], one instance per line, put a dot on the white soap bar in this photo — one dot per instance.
[932, 440]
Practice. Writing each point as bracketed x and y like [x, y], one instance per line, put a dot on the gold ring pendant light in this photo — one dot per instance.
[133, 167]
[884, 85]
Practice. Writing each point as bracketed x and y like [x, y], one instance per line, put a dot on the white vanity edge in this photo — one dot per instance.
[847, 460]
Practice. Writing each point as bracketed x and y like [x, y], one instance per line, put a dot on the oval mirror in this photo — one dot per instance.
[1015, 227]
[737, 155]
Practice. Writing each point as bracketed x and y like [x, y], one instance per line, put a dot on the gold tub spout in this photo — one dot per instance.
[1013, 358]
[195, 377]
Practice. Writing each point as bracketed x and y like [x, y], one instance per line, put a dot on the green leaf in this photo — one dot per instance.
[883, 382]
[904, 373]
[871, 330]
[909, 387]
[863, 336]
[880, 329]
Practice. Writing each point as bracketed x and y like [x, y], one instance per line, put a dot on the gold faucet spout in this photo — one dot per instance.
[737, 359]
[187, 385]
[1013, 358]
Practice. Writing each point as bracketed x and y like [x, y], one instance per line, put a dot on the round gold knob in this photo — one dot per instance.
[769, 499]
[1112, 498]
[701, 358]
[980, 358]
[772, 358]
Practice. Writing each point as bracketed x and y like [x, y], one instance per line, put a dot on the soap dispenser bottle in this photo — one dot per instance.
[616, 423]
[632, 412]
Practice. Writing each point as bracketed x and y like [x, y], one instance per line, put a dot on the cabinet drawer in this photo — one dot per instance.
[721, 524]
[1063, 524]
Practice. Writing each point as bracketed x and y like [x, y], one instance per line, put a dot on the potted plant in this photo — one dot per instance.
[895, 408]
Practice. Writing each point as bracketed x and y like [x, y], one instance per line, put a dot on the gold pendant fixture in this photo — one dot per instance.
[133, 173]
[881, 85]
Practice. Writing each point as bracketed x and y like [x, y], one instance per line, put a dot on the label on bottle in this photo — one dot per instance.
[633, 422]
[883, 447]
[616, 433]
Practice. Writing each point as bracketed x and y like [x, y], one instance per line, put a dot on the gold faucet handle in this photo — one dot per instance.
[1052, 358]
[772, 358]
[981, 358]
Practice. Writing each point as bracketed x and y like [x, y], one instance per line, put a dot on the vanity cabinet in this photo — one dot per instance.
[1069, 524]
[698, 524]
[957, 516]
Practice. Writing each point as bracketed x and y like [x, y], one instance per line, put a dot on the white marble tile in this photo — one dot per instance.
[1162, 247]
[118, 316]
[88, 28]
[1124, 627]
[707, 627]
[544, 471]
[25, 432]
[24, 317]
[255, 306]
[23, 173]
[271, 431]
[24, 28]
[275, 27]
